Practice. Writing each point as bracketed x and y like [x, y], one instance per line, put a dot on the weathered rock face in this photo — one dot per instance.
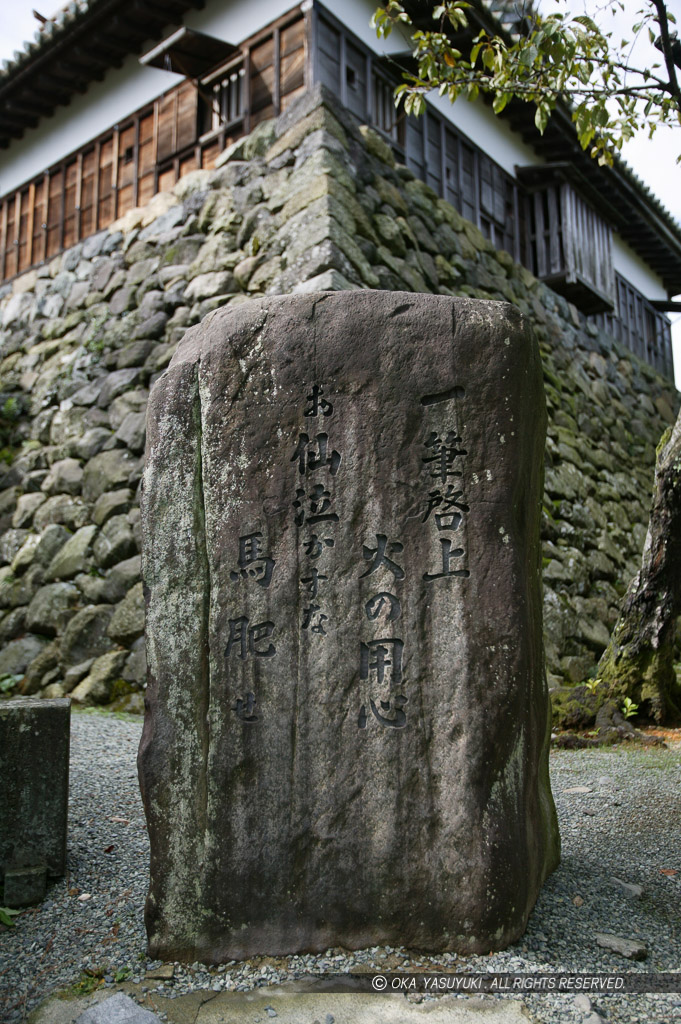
[346, 738]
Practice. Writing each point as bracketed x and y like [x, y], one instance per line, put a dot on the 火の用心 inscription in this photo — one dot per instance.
[346, 738]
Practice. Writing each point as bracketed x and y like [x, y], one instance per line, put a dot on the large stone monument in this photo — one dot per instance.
[347, 727]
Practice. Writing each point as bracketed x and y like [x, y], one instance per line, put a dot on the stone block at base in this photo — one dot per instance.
[23, 887]
[34, 786]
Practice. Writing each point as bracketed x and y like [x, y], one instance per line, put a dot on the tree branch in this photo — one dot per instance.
[667, 50]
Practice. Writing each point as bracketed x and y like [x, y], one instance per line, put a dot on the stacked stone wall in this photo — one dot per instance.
[308, 202]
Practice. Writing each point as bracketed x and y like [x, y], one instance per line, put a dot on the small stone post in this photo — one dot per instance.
[34, 788]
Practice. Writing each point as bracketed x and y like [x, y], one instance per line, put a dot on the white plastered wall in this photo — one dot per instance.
[235, 20]
[627, 263]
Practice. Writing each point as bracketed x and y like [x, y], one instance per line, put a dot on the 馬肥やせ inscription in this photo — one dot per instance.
[346, 738]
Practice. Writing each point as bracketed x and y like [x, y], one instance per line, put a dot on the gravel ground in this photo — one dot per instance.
[620, 817]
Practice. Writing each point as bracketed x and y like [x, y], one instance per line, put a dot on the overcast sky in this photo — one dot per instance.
[653, 161]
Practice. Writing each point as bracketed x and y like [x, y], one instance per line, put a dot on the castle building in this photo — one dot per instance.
[116, 100]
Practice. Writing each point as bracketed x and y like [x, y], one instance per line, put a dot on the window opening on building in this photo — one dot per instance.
[641, 328]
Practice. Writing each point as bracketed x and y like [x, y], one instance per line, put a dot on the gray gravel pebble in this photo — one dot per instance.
[92, 920]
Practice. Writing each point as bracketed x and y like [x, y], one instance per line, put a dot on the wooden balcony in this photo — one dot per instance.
[570, 244]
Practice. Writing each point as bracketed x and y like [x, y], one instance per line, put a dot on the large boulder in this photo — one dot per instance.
[52, 539]
[135, 669]
[52, 608]
[73, 557]
[127, 623]
[347, 736]
[115, 384]
[65, 477]
[61, 509]
[86, 635]
[96, 687]
[17, 591]
[12, 624]
[27, 506]
[111, 503]
[45, 661]
[105, 472]
[11, 543]
[115, 542]
[26, 554]
[17, 655]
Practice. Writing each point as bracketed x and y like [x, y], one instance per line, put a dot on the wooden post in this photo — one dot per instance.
[247, 85]
[95, 187]
[310, 42]
[136, 162]
[154, 144]
[3, 237]
[43, 223]
[343, 72]
[17, 225]
[554, 232]
[31, 217]
[516, 225]
[368, 73]
[443, 160]
[79, 198]
[276, 85]
[114, 174]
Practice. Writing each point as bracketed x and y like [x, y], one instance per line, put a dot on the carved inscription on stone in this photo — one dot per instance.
[346, 741]
[313, 507]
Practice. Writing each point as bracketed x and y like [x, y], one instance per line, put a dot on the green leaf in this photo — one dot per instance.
[488, 58]
[527, 56]
[541, 117]
[381, 23]
[587, 22]
[500, 101]
[9, 682]
[628, 707]
[415, 104]
[456, 15]
[6, 915]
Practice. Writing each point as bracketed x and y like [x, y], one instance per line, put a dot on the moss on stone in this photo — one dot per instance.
[633, 673]
[319, 118]
[575, 707]
[664, 440]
